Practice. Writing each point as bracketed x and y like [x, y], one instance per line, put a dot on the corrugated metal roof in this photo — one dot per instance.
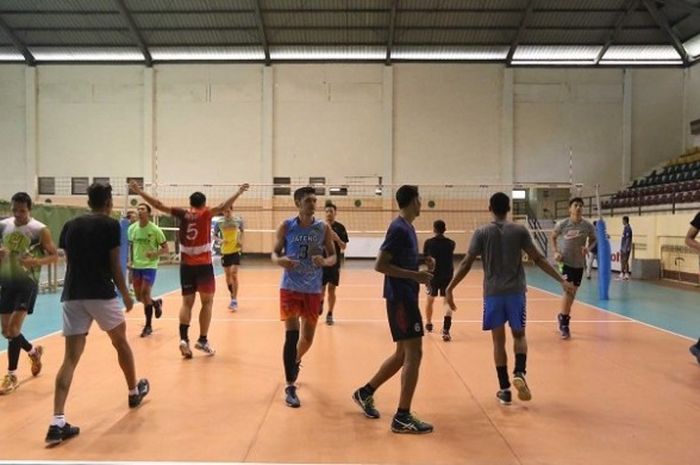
[189, 5]
[641, 52]
[76, 38]
[207, 53]
[556, 52]
[330, 19]
[86, 53]
[48, 5]
[217, 37]
[65, 21]
[353, 52]
[459, 19]
[10, 54]
[417, 23]
[565, 36]
[198, 20]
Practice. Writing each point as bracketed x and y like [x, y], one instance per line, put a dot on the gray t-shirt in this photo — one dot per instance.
[571, 240]
[500, 245]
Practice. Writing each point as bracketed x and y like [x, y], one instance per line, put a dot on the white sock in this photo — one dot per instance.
[12, 372]
[32, 351]
[133, 392]
[59, 420]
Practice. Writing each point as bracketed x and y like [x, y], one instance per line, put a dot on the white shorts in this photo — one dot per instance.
[79, 314]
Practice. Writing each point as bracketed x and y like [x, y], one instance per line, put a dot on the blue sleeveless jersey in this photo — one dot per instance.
[301, 244]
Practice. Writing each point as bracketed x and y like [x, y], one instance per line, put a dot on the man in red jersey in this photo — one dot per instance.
[196, 269]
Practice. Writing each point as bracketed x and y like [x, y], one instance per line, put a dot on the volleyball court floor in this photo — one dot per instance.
[619, 391]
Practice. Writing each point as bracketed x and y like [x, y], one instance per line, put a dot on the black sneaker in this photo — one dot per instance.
[695, 350]
[329, 319]
[410, 424]
[147, 331]
[143, 387]
[158, 306]
[291, 398]
[522, 387]
[564, 326]
[58, 434]
[366, 403]
[429, 327]
[446, 336]
[504, 396]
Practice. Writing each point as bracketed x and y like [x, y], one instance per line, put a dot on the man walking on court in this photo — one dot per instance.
[196, 269]
[331, 274]
[441, 249]
[300, 245]
[230, 231]
[625, 248]
[692, 242]
[569, 242]
[26, 245]
[500, 245]
[398, 261]
[147, 243]
[92, 244]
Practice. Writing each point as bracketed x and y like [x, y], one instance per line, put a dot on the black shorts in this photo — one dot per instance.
[331, 274]
[18, 295]
[573, 275]
[231, 259]
[197, 278]
[438, 285]
[405, 320]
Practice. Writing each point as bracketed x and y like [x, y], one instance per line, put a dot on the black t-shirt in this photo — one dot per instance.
[87, 240]
[442, 250]
[342, 233]
[696, 221]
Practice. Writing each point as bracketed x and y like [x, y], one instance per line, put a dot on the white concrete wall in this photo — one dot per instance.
[657, 117]
[557, 110]
[90, 121]
[12, 131]
[208, 123]
[445, 123]
[328, 121]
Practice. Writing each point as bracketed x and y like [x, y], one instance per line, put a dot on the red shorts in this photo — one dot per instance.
[298, 304]
[197, 278]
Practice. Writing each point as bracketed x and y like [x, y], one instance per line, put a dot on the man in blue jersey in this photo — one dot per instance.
[299, 249]
[398, 261]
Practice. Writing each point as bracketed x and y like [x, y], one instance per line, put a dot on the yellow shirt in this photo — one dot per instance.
[229, 231]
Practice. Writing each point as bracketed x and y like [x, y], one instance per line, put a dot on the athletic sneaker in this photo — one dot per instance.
[429, 327]
[504, 396]
[36, 359]
[329, 319]
[626, 277]
[522, 387]
[233, 306]
[564, 326]
[446, 336]
[9, 384]
[185, 349]
[366, 403]
[143, 387]
[58, 434]
[204, 347]
[410, 424]
[291, 398]
[147, 331]
[158, 306]
[695, 350]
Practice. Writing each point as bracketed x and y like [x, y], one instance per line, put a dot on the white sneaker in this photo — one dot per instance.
[205, 347]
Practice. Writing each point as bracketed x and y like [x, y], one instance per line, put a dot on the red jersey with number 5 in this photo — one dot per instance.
[195, 235]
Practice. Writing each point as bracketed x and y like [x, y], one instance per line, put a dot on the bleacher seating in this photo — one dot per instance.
[677, 182]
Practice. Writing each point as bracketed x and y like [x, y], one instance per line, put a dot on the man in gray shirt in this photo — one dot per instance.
[569, 239]
[625, 248]
[500, 245]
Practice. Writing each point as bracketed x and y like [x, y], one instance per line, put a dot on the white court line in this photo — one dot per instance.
[617, 314]
[378, 299]
[82, 462]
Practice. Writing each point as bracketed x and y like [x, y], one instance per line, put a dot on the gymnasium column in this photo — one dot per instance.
[31, 165]
[507, 161]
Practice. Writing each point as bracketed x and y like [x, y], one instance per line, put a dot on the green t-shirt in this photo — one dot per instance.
[145, 239]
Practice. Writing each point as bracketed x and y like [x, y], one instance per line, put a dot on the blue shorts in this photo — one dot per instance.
[145, 276]
[501, 308]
